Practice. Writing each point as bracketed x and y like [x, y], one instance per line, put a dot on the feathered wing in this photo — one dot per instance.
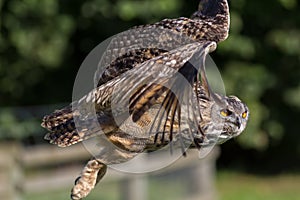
[135, 50]
[159, 89]
[130, 48]
[157, 76]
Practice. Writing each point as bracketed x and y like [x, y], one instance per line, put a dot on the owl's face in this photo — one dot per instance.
[233, 116]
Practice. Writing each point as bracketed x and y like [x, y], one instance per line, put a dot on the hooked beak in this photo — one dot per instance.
[238, 122]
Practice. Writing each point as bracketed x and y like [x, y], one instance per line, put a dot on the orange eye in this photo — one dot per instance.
[244, 115]
[225, 113]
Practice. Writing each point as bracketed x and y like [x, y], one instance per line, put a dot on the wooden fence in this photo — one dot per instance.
[56, 168]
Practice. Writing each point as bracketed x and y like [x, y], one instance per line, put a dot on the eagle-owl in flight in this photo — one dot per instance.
[152, 94]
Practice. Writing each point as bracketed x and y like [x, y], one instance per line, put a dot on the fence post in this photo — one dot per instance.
[202, 177]
[10, 171]
[134, 188]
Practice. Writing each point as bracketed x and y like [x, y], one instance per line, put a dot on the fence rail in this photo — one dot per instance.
[44, 168]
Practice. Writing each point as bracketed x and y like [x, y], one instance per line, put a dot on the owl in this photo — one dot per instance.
[152, 91]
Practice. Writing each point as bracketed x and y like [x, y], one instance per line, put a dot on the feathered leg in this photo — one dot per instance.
[119, 148]
[91, 174]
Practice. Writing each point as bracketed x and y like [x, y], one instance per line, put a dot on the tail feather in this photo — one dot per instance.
[61, 126]
[57, 117]
[64, 132]
[63, 139]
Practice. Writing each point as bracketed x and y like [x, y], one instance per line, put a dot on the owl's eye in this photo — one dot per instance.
[225, 112]
[244, 115]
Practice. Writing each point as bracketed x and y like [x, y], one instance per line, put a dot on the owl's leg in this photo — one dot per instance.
[124, 148]
[90, 175]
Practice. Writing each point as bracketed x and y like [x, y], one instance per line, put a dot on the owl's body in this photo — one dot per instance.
[149, 97]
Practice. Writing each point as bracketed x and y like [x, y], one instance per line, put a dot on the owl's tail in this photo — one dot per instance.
[61, 126]
[69, 126]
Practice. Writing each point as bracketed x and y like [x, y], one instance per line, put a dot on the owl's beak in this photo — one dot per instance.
[238, 122]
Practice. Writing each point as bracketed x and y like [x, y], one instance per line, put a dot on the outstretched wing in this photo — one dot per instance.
[137, 51]
[158, 97]
[139, 44]
[154, 91]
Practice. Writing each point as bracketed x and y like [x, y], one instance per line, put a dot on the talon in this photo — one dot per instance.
[76, 180]
[90, 175]
[80, 190]
[74, 197]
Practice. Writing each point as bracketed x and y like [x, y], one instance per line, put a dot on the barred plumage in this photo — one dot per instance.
[149, 93]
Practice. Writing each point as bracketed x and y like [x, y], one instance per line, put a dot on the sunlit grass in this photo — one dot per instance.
[230, 186]
[108, 191]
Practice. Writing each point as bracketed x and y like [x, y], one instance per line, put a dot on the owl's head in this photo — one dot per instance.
[233, 115]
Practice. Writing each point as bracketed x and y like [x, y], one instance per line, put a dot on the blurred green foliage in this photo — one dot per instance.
[43, 43]
[14, 128]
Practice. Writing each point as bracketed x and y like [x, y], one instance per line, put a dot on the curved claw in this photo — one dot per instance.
[90, 176]
[76, 180]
